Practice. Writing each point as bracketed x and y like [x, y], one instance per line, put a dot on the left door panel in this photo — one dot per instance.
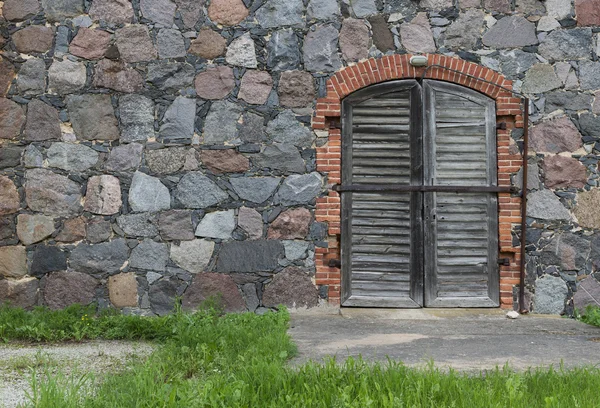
[381, 146]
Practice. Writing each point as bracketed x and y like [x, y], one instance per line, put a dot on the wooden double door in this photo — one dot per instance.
[419, 197]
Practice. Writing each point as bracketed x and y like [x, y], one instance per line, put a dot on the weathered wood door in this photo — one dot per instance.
[419, 224]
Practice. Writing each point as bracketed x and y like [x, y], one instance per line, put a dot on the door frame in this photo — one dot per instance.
[326, 124]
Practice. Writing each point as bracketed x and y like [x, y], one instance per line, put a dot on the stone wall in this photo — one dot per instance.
[155, 149]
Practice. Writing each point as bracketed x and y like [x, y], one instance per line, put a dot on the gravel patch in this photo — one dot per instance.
[96, 357]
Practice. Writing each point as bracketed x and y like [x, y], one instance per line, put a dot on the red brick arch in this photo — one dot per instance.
[376, 70]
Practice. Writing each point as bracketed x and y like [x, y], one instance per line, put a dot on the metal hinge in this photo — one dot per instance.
[335, 263]
[504, 261]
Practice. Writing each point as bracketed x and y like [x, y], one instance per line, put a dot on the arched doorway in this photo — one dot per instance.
[419, 206]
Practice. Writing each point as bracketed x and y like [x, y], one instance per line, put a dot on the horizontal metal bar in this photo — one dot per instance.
[440, 189]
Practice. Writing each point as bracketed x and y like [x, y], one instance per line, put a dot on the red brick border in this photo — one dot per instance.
[373, 71]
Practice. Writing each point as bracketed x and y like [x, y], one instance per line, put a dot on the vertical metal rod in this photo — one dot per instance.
[522, 308]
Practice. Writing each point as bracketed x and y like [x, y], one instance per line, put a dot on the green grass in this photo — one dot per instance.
[240, 360]
[590, 316]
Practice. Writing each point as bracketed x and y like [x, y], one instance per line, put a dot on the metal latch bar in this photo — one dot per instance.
[404, 188]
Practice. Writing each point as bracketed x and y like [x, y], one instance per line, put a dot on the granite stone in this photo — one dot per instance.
[218, 224]
[99, 259]
[93, 117]
[32, 77]
[71, 157]
[193, 256]
[32, 228]
[195, 190]
[51, 193]
[255, 189]
[12, 119]
[103, 195]
[147, 193]
[63, 289]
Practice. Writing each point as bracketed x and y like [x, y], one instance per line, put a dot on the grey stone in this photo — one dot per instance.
[52, 193]
[256, 86]
[383, 38]
[215, 83]
[58, 10]
[170, 76]
[550, 295]
[124, 157]
[252, 128]
[20, 293]
[299, 189]
[42, 122]
[93, 117]
[33, 39]
[221, 122]
[251, 297]
[277, 13]
[511, 32]
[574, 101]
[466, 30]
[9, 196]
[320, 49]
[255, 189]
[162, 296]
[283, 50]
[540, 78]
[106, 257]
[170, 44]
[152, 277]
[416, 36]
[12, 118]
[161, 12]
[558, 9]
[575, 43]
[249, 256]
[66, 77]
[32, 77]
[363, 8]
[214, 287]
[545, 205]
[98, 230]
[193, 256]
[138, 225]
[150, 256]
[589, 75]
[178, 121]
[322, 10]
[176, 225]
[32, 228]
[533, 177]
[166, 161]
[291, 287]
[547, 23]
[10, 156]
[251, 222]
[218, 224]
[515, 62]
[241, 52]
[555, 136]
[435, 4]
[71, 157]
[286, 129]
[589, 124]
[296, 89]
[136, 113]
[47, 258]
[147, 193]
[195, 190]
[281, 157]
[354, 40]
[32, 157]
[295, 250]
[14, 261]
[19, 10]
[568, 251]
[404, 8]
[112, 11]
[588, 293]
[117, 76]
[134, 44]
[67, 288]
[7, 227]
[190, 11]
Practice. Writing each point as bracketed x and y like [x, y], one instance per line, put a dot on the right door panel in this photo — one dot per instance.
[460, 229]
